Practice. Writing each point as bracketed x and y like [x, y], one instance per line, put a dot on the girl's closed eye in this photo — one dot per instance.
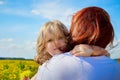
[49, 40]
[60, 38]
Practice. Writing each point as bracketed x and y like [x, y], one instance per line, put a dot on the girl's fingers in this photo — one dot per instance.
[82, 50]
[77, 54]
[107, 54]
[75, 49]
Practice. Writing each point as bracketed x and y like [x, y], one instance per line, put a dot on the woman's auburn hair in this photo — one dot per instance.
[56, 28]
[91, 26]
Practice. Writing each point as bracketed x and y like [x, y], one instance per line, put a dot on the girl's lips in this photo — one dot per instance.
[60, 49]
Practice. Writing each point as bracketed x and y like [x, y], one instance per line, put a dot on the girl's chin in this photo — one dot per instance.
[57, 53]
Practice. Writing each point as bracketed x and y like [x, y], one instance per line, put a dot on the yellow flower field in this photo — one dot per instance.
[17, 69]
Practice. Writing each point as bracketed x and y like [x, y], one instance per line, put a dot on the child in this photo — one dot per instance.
[51, 32]
[53, 39]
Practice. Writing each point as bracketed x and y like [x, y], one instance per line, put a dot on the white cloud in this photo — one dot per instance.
[118, 41]
[49, 10]
[7, 40]
[1, 2]
[9, 48]
[115, 51]
[115, 54]
[54, 10]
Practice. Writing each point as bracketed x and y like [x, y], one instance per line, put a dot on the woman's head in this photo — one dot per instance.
[52, 39]
[92, 26]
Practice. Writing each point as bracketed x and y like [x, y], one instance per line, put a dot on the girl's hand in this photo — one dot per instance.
[88, 50]
[98, 51]
[82, 50]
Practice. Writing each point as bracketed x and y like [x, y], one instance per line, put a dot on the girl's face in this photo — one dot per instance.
[55, 44]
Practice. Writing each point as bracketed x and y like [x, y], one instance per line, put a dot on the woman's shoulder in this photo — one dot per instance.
[64, 66]
[60, 57]
[61, 61]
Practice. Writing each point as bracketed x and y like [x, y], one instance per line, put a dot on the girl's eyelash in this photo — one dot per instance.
[49, 40]
[60, 37]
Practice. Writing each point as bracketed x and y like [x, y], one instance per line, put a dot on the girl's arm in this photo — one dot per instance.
[88, 50]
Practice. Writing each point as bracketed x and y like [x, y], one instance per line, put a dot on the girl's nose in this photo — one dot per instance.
[56, 43]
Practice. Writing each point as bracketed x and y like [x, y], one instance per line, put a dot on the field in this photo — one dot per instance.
[17, 69]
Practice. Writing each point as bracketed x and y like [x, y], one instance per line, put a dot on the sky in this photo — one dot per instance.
[20, 21]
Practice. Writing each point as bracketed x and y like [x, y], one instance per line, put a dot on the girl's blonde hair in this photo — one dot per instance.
[55, 28]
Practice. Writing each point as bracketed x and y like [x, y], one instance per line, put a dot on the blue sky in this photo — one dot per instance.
[20, 21]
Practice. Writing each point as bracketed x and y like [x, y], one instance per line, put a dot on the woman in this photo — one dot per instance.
[91, 26]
